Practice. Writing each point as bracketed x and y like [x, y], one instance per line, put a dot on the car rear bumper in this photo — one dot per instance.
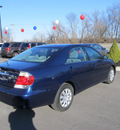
[3, 53]
[35, 99]
[8, 54]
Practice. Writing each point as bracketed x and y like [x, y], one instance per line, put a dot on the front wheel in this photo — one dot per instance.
[64, 97]
[111, 75]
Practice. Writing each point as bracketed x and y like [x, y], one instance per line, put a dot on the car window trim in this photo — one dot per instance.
[76, 62]
[102, 58]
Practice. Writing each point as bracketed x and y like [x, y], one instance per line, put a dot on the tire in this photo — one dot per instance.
[111, 76]
[3, 56]
[63, 98]
[15, 54]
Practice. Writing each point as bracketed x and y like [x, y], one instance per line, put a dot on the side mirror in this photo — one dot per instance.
[105, 57]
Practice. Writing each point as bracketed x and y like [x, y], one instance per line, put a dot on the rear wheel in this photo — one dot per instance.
[111, 75]
[64, 97]
[15, 54]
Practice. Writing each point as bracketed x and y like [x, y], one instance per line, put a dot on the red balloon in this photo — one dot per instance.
[22, 30]
[5, 32]
[54, 27]
[82, 17]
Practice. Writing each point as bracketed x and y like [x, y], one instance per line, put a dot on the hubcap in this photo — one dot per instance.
[65, 97]
[111, 75]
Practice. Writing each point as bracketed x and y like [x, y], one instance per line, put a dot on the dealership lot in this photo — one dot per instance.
[95, 108]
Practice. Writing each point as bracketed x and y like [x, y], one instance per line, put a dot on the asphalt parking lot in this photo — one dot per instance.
[97, 108]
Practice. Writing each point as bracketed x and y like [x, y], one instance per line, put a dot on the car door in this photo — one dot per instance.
[78, 68]
[99, 66]
[14, 47]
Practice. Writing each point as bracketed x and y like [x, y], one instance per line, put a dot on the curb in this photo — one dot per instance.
[117, 68]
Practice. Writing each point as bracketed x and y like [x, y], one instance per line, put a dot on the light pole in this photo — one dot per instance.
[57, 24]
[0, 27]
[12, 32]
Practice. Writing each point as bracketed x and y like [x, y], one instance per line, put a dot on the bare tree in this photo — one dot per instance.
[73, 23]
[96, 27]
[114, 21]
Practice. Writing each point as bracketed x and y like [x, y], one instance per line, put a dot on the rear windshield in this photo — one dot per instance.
[37, 54]
[24, 45]
[5, 45]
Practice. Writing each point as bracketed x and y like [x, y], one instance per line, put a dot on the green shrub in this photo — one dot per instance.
[114, 53]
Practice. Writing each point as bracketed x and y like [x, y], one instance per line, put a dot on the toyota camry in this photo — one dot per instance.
[52, 75]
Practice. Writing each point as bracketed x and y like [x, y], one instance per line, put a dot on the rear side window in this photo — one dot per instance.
[93, 55]
[5, 45]
[24, 45]
[76, 55]
[14, 45]
[33, 44]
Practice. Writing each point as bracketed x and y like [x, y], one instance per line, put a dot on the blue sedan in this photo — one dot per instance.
[52, 75]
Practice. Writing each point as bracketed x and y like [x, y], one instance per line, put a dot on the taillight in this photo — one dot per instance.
[24, 80]
[29, 46]
[19, 47]
[8, 49]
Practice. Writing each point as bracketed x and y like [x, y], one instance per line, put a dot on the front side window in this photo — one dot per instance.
[95, 47]
[40, 43]
[36, 54]
[93, 55]
[100, 47]
[76, 55]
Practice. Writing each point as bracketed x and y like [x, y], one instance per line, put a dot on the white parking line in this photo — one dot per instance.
[117, 68]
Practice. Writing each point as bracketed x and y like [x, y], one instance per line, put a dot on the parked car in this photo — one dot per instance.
[27, 45]
[52, 75]
[99, 48]
[0, 47]
[10, 49]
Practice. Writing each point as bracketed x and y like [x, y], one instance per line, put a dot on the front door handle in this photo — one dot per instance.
[71, 68]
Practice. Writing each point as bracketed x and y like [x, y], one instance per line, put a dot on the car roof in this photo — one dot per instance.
[12, 42]
[60, 45]
[89, 44]
[33, 42]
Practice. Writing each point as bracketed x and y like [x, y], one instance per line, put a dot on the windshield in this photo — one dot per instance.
[36, 54]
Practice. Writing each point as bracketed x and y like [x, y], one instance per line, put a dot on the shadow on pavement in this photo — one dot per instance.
[21, 119]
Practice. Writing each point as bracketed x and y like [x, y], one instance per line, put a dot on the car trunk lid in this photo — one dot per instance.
[8, 77]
